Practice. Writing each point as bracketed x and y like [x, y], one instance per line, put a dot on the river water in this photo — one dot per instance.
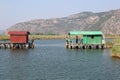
[50, 60]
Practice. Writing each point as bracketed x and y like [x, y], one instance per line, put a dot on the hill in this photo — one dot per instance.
[108, 22]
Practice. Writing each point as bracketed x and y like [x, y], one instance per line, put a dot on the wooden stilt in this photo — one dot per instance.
[82, 46]
[27, 45]
[8, 45]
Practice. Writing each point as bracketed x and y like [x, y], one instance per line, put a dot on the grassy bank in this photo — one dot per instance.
[37, 37]
[112, 36]
[4, 37]
[52, 36]
[116, 48]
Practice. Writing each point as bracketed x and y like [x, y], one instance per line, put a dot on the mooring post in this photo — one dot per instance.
[67, 42]
[32, 43]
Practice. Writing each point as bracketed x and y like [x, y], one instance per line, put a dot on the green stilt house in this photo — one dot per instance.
[86, 38]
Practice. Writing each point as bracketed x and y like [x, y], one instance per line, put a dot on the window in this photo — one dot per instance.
[92, 37]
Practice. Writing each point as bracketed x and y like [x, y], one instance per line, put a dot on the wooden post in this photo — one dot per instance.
[66, 42]
[11, 45]
[76, 39]
[32, 43]
[27, 45]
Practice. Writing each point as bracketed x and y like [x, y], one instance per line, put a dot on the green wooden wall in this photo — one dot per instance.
[92, 39]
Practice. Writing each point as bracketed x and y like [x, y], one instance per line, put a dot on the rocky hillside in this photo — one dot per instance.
[108, 22]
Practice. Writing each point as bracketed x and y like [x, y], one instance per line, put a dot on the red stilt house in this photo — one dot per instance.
[18, 36]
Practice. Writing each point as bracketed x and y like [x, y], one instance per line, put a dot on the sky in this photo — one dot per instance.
[15, 11]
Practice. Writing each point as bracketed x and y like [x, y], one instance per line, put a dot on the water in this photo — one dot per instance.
[50, 60]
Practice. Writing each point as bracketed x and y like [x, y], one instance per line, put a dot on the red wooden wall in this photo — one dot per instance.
[18, 36]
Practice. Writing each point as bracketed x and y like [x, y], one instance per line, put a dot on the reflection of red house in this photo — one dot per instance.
[18, 36]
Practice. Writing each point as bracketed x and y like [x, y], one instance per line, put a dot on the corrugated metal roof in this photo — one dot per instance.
[85, 33]
[18, 32]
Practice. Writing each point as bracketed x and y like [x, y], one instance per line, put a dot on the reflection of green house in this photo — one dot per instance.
[88, 37]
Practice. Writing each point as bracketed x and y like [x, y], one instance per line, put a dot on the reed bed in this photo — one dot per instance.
[116, 48]
[4, 37]
[39, 37]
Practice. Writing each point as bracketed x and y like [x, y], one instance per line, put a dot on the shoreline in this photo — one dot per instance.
[50, 36]
[37, 37]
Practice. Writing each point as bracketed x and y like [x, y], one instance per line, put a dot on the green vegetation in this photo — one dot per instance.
[112, 36]
[55, 36]
[116, 48]
[4, 37]
[47, 36]
[109, 44]
[38, 36]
